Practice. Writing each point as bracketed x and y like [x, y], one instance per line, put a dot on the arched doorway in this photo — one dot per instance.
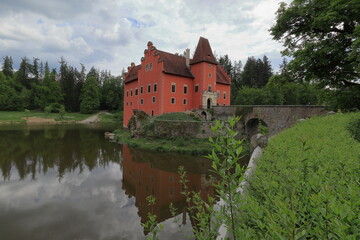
[208, 103]
[252, 126]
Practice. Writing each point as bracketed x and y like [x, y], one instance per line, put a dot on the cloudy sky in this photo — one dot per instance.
[110, 34]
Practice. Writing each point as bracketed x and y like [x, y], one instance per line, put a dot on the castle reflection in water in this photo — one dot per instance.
[146, 173]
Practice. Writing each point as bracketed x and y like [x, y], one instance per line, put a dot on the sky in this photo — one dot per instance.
[110, 34]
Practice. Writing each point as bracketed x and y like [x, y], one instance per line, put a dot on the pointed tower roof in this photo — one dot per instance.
[203, 53]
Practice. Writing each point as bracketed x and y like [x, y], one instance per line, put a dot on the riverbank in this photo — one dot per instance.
[306, 184]
[193, 146]
[37, 117]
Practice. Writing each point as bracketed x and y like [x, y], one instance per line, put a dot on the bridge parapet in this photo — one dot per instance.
[275, 117]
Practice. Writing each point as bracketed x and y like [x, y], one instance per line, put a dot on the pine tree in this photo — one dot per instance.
[7, 67]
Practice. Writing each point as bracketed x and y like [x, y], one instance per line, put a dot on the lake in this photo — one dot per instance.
[69, 182]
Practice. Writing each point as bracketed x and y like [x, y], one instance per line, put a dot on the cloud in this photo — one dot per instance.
[111, 34]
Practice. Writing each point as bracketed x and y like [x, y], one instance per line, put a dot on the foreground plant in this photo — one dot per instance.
[151, 225]
[227, 150]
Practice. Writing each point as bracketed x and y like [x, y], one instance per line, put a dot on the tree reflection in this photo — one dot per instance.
[148, 173]
[34, 150]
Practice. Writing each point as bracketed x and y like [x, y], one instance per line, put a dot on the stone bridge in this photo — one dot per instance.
[276, 118]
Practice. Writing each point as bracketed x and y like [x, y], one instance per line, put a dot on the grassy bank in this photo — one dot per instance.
[17, 117]
[179, 145]
[306, 184]
[20, 117]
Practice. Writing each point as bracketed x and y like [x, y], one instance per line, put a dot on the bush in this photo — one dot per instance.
[55, 107]
[47, 110]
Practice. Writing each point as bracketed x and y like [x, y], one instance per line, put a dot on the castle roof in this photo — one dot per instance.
[203, 53]
[132, 74]
[174, 64]
[221, 76]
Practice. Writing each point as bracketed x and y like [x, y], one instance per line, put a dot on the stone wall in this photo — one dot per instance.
[191, 129]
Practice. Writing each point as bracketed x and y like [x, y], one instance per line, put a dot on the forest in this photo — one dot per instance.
[35, 87]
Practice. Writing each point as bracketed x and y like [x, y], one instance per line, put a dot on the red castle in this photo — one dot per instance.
[166, 82]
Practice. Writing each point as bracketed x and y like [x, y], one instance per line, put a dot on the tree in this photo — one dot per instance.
[7, 67]
[323, 37]
[23, 74]
[90, 96]
[256, 72]
[111, 94]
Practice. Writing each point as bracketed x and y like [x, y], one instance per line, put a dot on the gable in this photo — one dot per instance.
[132, 74]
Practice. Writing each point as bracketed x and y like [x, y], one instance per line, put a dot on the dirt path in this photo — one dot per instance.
[93, 118]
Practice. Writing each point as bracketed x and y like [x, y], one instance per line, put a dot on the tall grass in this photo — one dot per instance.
[306, 184]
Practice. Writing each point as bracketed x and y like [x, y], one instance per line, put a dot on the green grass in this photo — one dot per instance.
[179, 145]
[16, 116]
[306, 184]
[113, 118]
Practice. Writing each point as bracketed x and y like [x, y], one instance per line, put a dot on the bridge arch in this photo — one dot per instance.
[252, 126]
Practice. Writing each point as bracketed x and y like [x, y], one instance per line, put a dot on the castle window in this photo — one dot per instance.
[130, 103]
[217, 94]
[150, 67]
[196, 88]
[185, 89]
[153, 99]
[130, 92]
[149, 88]
[224, 95]
[152, 114]
[141, 90]
[172, 100]
[209, 75]
[185, 101]
[127, 93]
[136, 91]
[155, 87]
[209, 65]
[209, 88]
[146, 67]
[173, 87]
[141, 101]
[171, 191]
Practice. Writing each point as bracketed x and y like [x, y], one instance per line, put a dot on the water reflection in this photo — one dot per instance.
[68, 182]
[146, 173]
[67, 148]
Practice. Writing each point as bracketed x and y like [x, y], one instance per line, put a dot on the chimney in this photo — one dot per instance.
[187, 56]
